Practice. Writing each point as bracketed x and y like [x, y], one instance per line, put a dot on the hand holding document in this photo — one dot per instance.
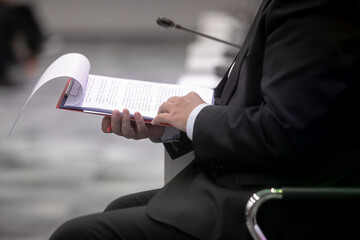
[101, 95]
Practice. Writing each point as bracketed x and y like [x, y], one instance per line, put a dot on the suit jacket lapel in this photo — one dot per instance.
[227, 86]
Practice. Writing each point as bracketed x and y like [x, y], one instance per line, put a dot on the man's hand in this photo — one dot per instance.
[176, 110]
[121, 125]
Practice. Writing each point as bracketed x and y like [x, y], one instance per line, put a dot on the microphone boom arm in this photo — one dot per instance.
[167, 23]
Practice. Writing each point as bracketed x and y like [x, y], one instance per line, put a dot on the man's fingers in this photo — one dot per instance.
[106, 123]
[140, 124]
[161, 118]
[116, 122]
[173, 99]
[165, 107]
[126, 127]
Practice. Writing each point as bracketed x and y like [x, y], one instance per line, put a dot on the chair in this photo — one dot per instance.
[292, 193]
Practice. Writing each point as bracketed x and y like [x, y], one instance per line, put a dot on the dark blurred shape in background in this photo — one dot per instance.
[21, 39]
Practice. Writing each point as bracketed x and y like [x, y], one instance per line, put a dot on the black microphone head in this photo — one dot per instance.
[166, 23]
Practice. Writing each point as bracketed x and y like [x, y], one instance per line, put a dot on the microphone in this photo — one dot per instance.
[168, 23]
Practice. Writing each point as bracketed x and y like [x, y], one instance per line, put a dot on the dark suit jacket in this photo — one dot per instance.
[286, 115]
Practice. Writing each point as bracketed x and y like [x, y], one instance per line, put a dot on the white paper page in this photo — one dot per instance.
[71, 65]
[145, 97]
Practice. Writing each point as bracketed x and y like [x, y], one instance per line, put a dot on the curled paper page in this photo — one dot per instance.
[71, 65]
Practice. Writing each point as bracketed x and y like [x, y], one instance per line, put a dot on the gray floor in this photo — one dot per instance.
[58, 164]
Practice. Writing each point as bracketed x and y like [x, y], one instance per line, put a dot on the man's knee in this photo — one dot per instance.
[87, 227]
[131, 200]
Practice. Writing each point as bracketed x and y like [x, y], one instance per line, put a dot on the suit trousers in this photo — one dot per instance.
[125, 218]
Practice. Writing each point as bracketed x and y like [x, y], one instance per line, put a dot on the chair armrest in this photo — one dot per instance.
[292, 193]
[316, 193]
[252, 206]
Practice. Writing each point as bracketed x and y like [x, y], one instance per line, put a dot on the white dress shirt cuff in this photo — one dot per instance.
[191, 120]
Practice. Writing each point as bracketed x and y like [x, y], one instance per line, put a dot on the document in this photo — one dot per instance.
[97, 94]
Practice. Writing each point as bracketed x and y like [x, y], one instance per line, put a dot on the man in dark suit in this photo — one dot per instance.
[285, 114]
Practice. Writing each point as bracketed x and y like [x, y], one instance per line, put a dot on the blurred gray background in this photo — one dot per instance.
[58, 164]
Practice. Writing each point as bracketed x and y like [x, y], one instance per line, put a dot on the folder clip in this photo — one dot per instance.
[70, 91]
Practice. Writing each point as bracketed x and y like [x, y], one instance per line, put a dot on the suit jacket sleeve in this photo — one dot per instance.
[178, 148]
[308, 54]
